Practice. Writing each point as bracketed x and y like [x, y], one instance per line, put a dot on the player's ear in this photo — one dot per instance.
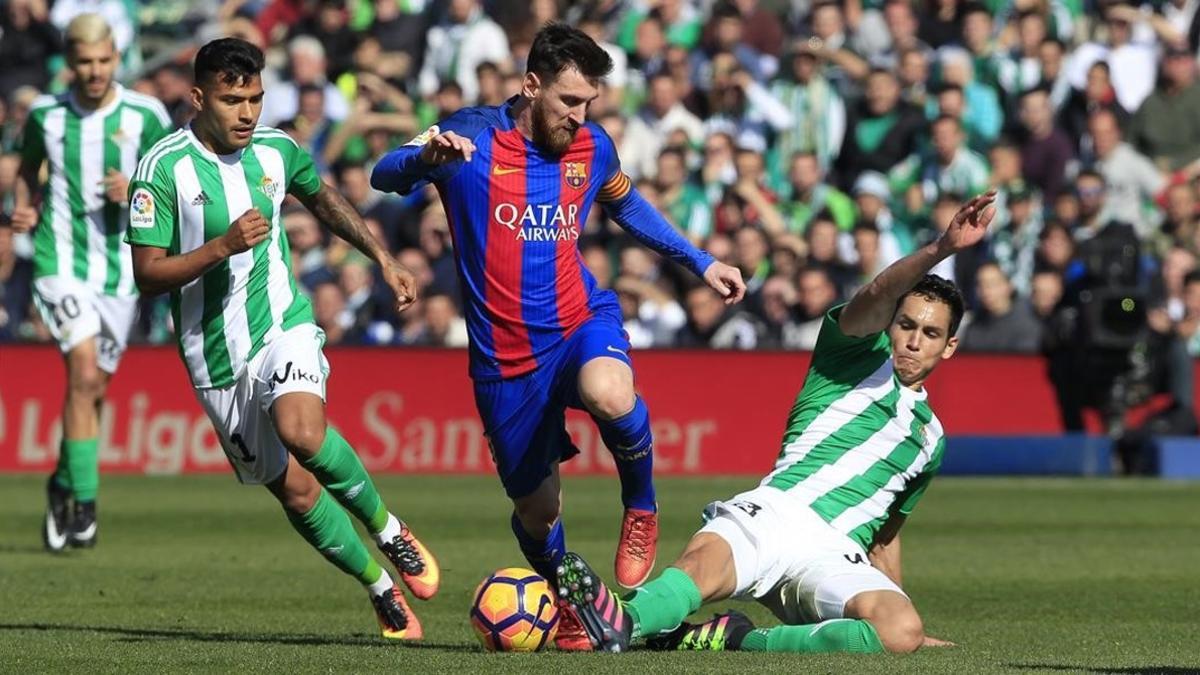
[951, 346]
[197, 97]
[531, 86]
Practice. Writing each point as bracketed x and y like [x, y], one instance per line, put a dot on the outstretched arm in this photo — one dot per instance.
[632, 212]
[342, 219]
[871, 309]
[423, 159]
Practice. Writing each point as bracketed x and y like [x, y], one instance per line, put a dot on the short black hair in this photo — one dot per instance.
[558, 46]
[232, 59]
[1192, 277]
[933, 287]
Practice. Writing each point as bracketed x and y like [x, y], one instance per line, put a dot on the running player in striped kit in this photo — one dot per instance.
[205, 225]
[818, 540]
[90, 138]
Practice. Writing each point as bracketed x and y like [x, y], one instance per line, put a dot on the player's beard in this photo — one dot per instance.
[552, 140]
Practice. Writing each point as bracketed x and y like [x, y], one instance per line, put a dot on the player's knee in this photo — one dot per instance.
[301, 436]
[300, 496]
[538, 516]
[87, 382]
[608, 395]
[900, 632]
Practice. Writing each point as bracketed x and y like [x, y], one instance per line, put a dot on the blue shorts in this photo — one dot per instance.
[525, 417]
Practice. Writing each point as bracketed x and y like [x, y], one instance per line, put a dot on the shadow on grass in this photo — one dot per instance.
[162, 634]
[1101, 670]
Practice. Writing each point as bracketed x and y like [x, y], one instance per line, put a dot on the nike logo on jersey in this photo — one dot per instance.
[332, 551]
[503, 171]
[356, 489]
[202, 199]
[615, 350]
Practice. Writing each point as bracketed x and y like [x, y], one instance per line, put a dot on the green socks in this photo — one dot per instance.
[663, 604]
[327, 528]
[79, 468]
[337, 468]
[836, 635]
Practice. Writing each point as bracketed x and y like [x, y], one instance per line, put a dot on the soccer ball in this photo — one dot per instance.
[514, 611]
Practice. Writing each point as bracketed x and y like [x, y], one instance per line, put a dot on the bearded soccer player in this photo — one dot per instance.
[818, 540]
[517, 181]
[205, 225]
[91, 138]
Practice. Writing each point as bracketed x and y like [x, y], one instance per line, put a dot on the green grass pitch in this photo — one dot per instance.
[201, 574]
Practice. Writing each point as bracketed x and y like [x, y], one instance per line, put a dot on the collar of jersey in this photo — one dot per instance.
[231, 158]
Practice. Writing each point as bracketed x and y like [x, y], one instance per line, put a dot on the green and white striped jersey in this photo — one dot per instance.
[859, 445]
[81, 232]
[184, 195]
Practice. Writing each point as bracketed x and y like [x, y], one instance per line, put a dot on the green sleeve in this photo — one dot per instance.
[302, 178]
[907, 500]
[835, 351]
[152, 210]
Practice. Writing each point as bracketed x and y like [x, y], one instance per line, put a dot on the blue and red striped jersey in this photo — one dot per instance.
[515, 214]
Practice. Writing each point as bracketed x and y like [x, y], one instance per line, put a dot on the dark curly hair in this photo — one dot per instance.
[558, 46]
[935, 288]
[234, 60]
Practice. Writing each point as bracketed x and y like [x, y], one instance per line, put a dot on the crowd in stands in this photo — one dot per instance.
[810, 143]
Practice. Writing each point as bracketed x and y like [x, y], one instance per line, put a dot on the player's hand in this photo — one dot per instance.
[934, 642]
[447, 147]
[116, 186]
[250, 229]
[727, 281]
[24, 218]
[402, 282]
[969, 225]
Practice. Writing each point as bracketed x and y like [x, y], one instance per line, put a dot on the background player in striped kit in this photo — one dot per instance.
[818, 540]
[518, 181]
[91, 138]
[205, 225]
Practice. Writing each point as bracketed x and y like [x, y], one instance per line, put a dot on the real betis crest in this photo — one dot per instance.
[268, 187]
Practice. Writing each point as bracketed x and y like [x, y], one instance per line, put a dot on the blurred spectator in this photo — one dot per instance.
[679, 20]
[1188, 327]
[1056, 248]
[817, 294]
[304, 240]
[1045, 294]
[829, 46]
[308, 65]
[651, 316]
[330, 24]
[646, 131]
[457, 46]
[809, 195]
[824, 251]
[329, 311]
[173, 86]
[742, 107]
[726, 30]
[27, 42]
[1176, 265]
[1002, 323]
[398, 33]
[750, 201]
[1133, 180]
[871, 195]
[753, 258]
[1014, 242]
[355, 183]
[869, 259]
[443, 327]
[901, 22]
[1166, 127]
[1021, 68]
[777, 310]
[16, 278]
[1132, 63]
[882, 130]
[598, 261]
[718, 170]
[1045, 148]
[119, 15]
[684, 202]
[979, 109]
[1098, 95]
[712, 324]
[818, 112]
[950, 167]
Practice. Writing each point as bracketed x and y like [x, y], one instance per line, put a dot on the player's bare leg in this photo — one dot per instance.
[893, 616]
[606, 389]
[300, 423]
[537, 524]
[328, 529]
[77, 476]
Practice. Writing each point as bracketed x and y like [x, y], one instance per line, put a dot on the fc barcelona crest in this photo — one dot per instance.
[575, 174]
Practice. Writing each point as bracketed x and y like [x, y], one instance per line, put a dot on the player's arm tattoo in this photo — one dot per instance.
[342, 219]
